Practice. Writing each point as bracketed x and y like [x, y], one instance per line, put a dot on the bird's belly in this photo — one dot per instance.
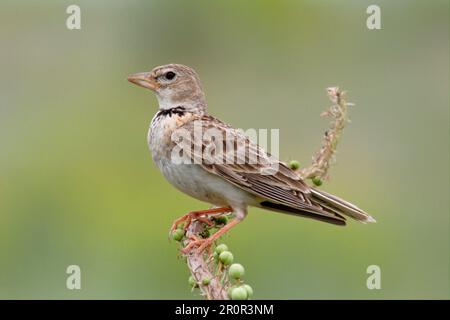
[202, 185]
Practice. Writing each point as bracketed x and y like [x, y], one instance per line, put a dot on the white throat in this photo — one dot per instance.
[165, 102]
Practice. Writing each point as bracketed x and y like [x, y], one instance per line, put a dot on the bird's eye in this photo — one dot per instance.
[169, 75]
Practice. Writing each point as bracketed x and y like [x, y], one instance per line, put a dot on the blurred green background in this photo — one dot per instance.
[78, 186]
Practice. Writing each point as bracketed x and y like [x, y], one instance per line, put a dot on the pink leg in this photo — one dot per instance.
[187, 218]
[205, 243]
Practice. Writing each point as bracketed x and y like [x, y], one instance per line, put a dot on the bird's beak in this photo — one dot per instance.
[143, 79]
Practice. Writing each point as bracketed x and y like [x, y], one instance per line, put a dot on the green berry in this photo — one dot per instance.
[317, 181]
[192, 282]
[226, 257]
[206, 281]
[221, 248]
[236, 271]
[178, 235]
[248, 289]
[239, 294]
[221, 220]
[294, 164]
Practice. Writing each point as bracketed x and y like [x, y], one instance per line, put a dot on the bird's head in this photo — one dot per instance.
[174, 85]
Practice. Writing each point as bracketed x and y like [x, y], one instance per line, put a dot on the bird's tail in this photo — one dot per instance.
[321, 206]
[340, 206]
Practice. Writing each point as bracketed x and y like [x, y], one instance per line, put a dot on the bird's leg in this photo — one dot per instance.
[202, 244]
[194, 240]
[187, 218]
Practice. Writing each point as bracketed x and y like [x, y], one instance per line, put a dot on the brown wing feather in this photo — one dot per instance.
[282, 190]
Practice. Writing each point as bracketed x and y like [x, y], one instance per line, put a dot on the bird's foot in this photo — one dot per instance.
[200, 244]
[197, 215]
[187, 220]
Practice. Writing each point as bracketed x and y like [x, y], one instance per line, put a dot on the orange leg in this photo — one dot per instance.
[191, 244]
[187, 218]
[202, 244]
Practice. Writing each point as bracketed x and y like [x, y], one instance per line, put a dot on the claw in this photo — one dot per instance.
[202, 244]
[198, 215]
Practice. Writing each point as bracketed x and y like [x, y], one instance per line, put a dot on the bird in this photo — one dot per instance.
[229, 186]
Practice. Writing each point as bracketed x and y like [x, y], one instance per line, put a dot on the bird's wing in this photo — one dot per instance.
[267, 178]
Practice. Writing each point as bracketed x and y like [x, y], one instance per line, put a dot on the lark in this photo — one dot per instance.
[242, 174]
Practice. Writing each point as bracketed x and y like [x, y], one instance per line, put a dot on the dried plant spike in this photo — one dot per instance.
[201, 267]
[323, 158]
